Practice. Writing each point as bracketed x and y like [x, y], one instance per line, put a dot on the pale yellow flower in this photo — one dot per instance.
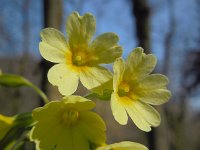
[125, 145]
[68, 124]
[5, 125]
[135, 89]
[78, 57]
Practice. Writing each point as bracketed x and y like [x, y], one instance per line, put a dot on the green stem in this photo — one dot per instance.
[43, 96]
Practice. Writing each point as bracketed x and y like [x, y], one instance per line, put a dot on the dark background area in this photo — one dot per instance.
[170, 29]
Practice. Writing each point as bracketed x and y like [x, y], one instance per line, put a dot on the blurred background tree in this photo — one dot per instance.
[170, 29]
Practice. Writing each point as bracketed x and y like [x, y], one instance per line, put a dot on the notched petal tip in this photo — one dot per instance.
[110, 35]
[105, 45]
[138, 49]
[153, 58]
[76, 14]
[78, 99]
[80, 29]
[48, 31]
[89, 15]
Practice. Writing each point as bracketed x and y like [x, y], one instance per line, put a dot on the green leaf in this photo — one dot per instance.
[24, 120]
[22, 124]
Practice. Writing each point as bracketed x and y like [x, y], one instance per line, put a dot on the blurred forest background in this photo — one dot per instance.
[168, 28]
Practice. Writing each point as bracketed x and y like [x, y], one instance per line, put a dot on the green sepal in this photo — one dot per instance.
[15, 145]
[102, 92]
[105, 96]
[23, 123]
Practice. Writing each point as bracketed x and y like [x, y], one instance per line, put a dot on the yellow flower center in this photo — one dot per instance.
[78, 60]
[70, 117]
[79, 56]
[123, 89]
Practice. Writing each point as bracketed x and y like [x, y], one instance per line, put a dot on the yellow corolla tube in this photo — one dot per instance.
[5, 125]
[135, 90]
[78, 57]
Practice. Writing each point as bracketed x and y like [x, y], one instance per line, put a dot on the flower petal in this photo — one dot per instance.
[66, 80]
[51, 53]
[154, 81]
[118, 68]
[106, 45]
[78, 103]
[125, 145]
[65, 140]
[95, 76]
[152, 89]
[40, 132]
[143, 115]
[53, 46]
[155, 97]
[61, 136]
[118, 110]
[138, 64]
[47, 110]
[72, 139]
[80, 29]
[93, 127]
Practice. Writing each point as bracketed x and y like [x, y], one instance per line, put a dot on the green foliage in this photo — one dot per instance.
[18, 132]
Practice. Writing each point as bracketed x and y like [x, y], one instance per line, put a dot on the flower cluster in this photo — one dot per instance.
[61, 124]
[70, 123]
